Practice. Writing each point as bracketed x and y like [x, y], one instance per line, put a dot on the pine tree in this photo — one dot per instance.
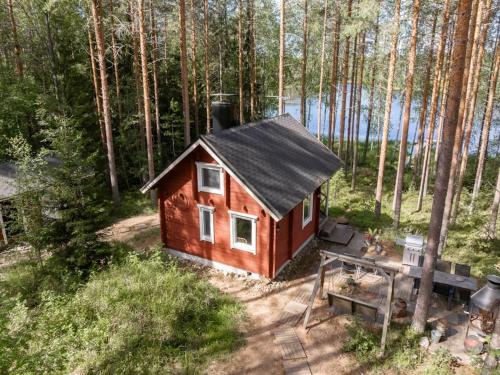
[146, 97]
[194, 74]
[372, 85]
[303, 69]
[345, 75]
[358, 112]
[387, 111]
[333, 80]
[281, 72]
[184, 75]
[17, 45]
[322, 63]
[240, 61]
[106, 111]
[398, 197]
[438, 73]
[486, 131]
[207, 66]
[443, 170]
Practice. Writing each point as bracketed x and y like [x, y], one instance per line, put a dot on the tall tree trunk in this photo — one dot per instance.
[253, 63]
[281, 72]
[358, 113]
[345, 75]
[470, 105]
[184, 75]
[138, 85]
[458, 137]
[207, 66]
[97, 89]
[423, 109]
[444, 93]
[194, 74]
[146, 98]
[372, 85]
[15, 38]
[116, 71]
[333, 81]
[322, 63]
[303, 69]
[443, 170]
[387, 111]
[52, 55]
[106, 111]
[492, 225]
[486, 131]
[240, 59]
[155, 79]
[438, 71]
[352, 99]
[407, 113]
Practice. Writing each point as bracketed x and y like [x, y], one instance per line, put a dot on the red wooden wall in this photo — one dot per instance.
[179, 219]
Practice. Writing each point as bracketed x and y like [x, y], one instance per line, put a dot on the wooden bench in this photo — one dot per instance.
[353, 306]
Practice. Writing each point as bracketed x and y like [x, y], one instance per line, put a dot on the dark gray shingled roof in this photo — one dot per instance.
[277, 159]
[7, 176]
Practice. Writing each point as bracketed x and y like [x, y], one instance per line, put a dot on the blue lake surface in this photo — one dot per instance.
[292, 106]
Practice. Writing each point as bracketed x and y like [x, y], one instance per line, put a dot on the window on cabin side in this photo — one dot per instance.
[243, 231]
[307, 208]
[210, 178]
[206, 223]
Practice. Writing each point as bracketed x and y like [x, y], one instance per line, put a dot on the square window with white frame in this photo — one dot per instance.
[307, 210]
[206, 223]
[243, 231]
[210, 178]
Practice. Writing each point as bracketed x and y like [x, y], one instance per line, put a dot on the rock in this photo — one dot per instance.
[424, 342]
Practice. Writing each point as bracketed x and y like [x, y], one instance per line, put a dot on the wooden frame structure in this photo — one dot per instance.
[389, 274]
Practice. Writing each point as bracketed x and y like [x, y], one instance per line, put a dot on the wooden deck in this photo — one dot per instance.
[336, 233]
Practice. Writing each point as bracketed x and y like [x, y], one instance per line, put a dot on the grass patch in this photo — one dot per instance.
[132, 203]
[402, 351]
[142, 315]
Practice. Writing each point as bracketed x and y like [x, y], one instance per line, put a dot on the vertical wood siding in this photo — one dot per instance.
[179, 219]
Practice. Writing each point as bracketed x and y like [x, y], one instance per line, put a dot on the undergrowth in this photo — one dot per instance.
[402, 351]
[140, 315]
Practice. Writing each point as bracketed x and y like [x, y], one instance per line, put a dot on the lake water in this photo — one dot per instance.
[292, 106]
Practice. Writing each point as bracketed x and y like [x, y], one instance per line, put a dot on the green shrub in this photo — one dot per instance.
[363, 343]
[402, 351]
[141, 316]
[441, 363]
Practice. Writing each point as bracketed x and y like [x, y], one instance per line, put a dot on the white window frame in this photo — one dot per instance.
[307, 220]
[232, 229]
[199, 168]
[210, 209]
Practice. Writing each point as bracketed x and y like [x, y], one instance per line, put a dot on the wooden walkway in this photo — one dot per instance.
[293, 355]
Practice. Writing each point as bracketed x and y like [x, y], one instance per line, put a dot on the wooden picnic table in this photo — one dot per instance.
[449, 279]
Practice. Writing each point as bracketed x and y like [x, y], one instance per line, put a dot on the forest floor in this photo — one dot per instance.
[264, 302]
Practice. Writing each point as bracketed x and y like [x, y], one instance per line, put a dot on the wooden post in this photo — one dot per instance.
[319, 280]
[2, 228]
[388, 312]
[327, 203]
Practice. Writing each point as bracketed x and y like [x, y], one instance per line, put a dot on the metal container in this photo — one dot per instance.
[488, 296]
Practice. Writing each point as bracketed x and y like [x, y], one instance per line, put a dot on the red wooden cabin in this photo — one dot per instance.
[245, 199]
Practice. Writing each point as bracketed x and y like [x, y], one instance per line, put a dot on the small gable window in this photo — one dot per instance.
[307, 210]
[243, 231]
[206, 223]
[210, 178]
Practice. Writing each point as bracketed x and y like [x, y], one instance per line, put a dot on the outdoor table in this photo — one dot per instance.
[451, 280]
